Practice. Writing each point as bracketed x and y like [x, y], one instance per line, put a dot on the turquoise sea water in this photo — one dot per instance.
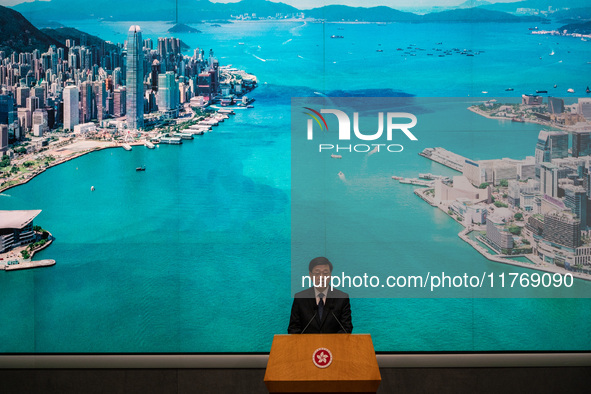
[194, 254]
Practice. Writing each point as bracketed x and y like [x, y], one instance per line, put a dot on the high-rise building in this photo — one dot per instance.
[155, 72]
[86, 101]
[71, 112]
[562, 229]
[551, 145]
[581, 143]
[555, 105]
[585, 107]
[575, 198]
[119, 99]
[3, 138]
[135, 79]
[549, 179]
[168, 94]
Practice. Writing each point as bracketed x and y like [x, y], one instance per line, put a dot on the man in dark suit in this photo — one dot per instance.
[320, 309]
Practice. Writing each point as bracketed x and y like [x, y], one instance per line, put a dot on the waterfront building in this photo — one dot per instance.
[469, 212]
[531, 99]
[461, 188]
[16, 228]
[40, 122]
[71, 111]
[135, 79]
[83, 128]
[562, 228]
[499, 238]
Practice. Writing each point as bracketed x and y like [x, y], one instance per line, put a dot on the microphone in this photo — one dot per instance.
[335, 316]
[313, 316]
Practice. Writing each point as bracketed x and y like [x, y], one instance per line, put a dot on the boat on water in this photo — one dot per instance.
[92, 188]
[336, 156]
[149, 145]
[570, 90]
[335, 36]
[142, 168]
[520, 120]
[250, 106]
[126, 146]
[509, 90]
[541, 91]
[588, 90]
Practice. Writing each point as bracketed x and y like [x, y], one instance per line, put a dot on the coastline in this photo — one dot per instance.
[537, 265]
[477, 111]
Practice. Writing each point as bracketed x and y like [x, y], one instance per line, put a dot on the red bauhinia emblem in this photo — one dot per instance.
[322, 357]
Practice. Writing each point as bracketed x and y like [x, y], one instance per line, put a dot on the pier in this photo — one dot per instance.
[445, 157]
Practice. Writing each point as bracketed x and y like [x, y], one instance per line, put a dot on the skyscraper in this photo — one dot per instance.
[551, 145]
[71, 112]
[135, 79]
[581, 143]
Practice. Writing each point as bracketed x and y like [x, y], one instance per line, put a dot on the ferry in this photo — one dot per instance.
[149, 145]
[226, 112]
[197, 132]
[126, 146]
[142, 168]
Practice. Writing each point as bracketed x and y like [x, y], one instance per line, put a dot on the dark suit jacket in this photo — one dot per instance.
[304, 307]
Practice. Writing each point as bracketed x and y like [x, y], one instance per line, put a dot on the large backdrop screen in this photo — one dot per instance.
[182, 164]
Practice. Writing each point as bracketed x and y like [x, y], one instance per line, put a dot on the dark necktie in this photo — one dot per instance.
[320, 305]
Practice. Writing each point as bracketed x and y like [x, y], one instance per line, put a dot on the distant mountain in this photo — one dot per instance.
[61, 34]
[581, 28]
[476, 15]
[473, 3]
[17, 34]
[193, 11]
[537, 4]
[335, 13]
[574, 14]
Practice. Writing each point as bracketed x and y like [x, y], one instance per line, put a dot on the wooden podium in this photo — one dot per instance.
[353, 367]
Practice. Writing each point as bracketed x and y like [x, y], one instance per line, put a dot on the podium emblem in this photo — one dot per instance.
[322, 357]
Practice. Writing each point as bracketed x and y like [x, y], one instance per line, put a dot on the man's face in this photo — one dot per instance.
[320, 276]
